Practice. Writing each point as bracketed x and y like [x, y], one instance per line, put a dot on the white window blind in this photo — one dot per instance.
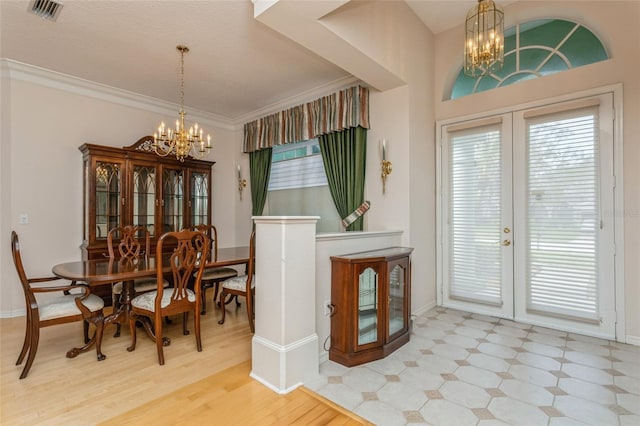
[563, 216]
[297, 173]
[297, 165]
[474, 214]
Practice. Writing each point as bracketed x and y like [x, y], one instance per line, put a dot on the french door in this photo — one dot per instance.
[525, 232]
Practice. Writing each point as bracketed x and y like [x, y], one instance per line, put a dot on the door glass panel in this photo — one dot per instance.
[172, 210]
[144, 196]
[475, 258]
[199, 198]
[108, 196]
[396, 299]
[367, 307]
[563, 214]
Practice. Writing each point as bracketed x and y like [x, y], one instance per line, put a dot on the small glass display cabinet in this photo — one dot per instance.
[370, 293]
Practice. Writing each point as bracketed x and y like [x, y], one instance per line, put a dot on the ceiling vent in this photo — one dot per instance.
[46, 9]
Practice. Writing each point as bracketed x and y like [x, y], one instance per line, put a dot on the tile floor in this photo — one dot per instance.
[468, 369]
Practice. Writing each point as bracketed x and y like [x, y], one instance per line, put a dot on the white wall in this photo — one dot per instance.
[616, 23]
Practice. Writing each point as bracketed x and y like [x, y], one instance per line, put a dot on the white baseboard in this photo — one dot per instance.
[632, 340]
[13, 314]
[423, 309]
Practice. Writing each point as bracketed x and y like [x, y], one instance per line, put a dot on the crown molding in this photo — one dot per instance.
[68, 83]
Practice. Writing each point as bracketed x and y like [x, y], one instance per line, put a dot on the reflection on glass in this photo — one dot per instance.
[368, 307]
[107, 197]
[199, 198]
[144, 195]
[172, 210]
[396, 300]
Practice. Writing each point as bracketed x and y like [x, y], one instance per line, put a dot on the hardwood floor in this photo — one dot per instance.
[210, 387]
[232, 397]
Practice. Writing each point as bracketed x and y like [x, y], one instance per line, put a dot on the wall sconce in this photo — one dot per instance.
[242, 183]
[385, 164]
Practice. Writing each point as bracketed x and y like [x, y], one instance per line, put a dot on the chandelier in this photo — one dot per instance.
[181, 142]
[484, 41]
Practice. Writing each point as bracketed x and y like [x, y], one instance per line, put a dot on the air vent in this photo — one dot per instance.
[45, 9]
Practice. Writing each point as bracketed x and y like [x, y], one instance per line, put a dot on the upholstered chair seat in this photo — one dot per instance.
[239, 283]
[65, 306]
[147, 300]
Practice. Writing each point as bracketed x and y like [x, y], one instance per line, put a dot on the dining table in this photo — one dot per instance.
[98, 272]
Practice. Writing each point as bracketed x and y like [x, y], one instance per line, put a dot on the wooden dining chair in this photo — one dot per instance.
[242, 285]
[75, 303]
[212, 276]
[127, 244]
[185, 260]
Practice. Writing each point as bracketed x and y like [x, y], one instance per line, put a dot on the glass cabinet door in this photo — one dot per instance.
[367, 307]
[144, 197]
[396, 311]
[108, 187]
[172, 199]
[199, 201]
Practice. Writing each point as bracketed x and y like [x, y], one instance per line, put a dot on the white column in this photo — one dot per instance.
[285, 343]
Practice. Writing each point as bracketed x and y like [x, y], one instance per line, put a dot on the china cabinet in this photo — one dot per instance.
[371, 302]
[134, 186]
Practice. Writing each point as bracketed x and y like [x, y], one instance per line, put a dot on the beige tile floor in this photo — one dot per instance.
[468, 369]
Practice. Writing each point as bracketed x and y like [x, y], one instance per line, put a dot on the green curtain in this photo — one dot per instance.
[259, 169]
[344, 155]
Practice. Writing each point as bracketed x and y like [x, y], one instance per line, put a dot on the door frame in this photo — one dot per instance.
[618, 192]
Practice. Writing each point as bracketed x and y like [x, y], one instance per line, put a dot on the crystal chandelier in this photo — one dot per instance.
[484, 41]
[181, 142]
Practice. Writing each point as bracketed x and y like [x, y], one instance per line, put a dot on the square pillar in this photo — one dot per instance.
[285, 342]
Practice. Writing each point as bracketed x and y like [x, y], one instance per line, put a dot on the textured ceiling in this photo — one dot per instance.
[236, 65]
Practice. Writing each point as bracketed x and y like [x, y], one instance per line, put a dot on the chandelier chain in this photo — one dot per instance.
[181, 142]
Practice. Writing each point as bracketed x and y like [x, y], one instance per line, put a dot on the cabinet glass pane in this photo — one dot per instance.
[172, 210]
[85, 208]
[108, 190]
[199, 198]
[367, 307]
[396, 299]
[144, 197]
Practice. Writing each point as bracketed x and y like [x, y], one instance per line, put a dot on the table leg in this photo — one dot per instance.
[98, 320]
[121, 316]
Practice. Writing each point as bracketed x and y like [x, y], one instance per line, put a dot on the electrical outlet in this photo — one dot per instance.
[326, 306]
[23, 219]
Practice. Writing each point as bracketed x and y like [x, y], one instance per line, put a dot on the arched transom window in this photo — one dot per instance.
[535, 49]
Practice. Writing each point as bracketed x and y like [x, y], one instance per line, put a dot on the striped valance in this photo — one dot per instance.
[338, 111]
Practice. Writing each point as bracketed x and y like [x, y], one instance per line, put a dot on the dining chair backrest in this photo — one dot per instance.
[251, 266]
[185, 261]
[212, 233]
[134, 241]
[17, 261]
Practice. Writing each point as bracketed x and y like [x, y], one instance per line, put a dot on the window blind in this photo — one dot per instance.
[563, 216]
[475, 214]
